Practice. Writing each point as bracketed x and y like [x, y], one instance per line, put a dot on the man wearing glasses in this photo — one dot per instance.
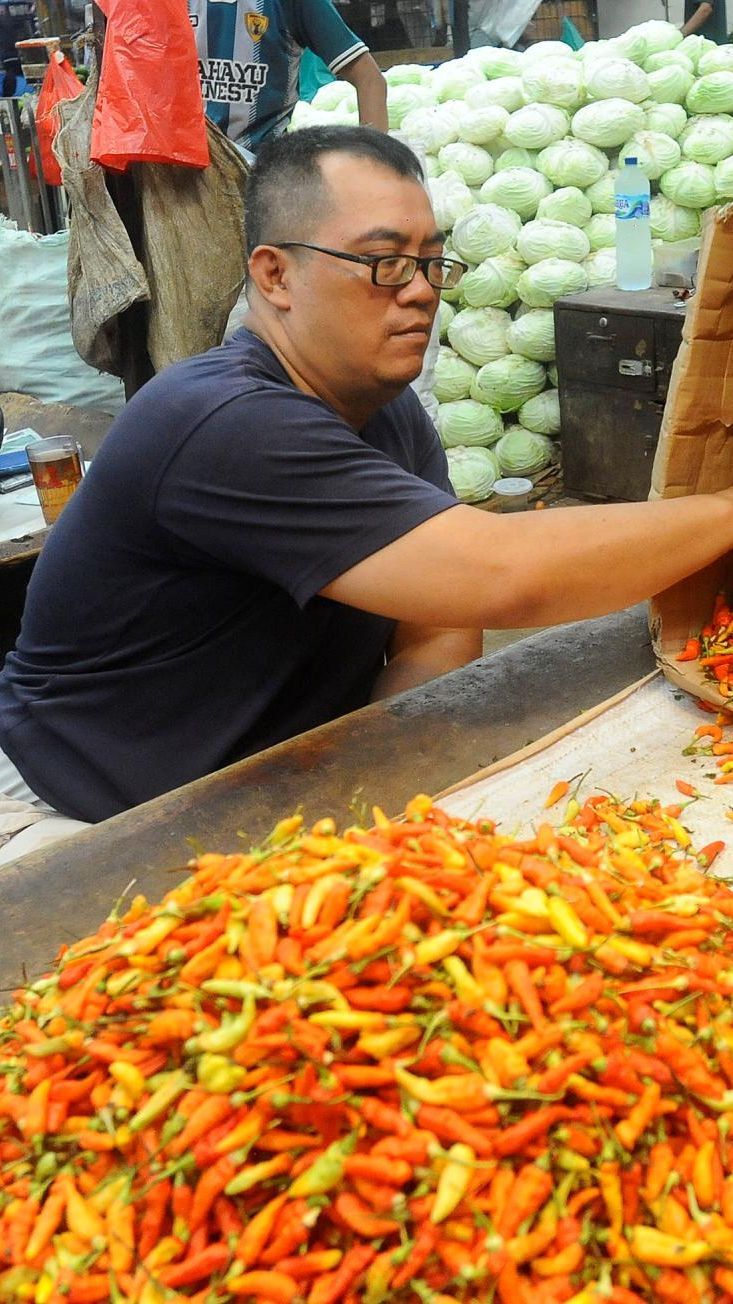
[267, 538]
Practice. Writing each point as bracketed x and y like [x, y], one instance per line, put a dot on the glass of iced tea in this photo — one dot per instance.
[56, 467]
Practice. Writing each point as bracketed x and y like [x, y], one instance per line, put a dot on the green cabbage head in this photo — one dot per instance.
[669, 221]
[669, 119]
[545, 238]
[608, 122]
[691, 185]
[711, 94]
[571, 162]
[508, 382]
[549, 280]
[554, 81]
[566, 204]
[541, 413]
[654, 151]
[520, 189]
[536, 126]
[468, 423]
[479, 334]
[601, 231]
[472, 472]
[532, 335]
[607, 79]
[601, 194]
[486, 231]
[493, 284]
[708, 138]
[453, 376]
[522, 452]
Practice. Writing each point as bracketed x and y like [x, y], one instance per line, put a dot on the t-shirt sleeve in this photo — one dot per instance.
[277, 485]
[317, 26]
[431, 463]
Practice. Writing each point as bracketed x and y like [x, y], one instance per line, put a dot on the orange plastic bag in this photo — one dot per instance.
[149, 107]
[59, 83]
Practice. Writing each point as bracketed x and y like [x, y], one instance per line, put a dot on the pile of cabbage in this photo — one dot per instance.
[521, 153]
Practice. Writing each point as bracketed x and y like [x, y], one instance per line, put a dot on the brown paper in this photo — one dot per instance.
[695, 450]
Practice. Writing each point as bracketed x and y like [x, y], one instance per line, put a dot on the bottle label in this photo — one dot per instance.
[631, 206]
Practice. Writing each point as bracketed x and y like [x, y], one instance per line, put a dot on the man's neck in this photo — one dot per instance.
[354, 407]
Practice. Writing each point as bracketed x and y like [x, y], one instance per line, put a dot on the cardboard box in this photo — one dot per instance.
[695, 450]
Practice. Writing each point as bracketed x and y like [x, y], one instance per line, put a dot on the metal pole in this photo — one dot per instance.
[42, 191]
[461, 38]
[9, 171]
[23, 178]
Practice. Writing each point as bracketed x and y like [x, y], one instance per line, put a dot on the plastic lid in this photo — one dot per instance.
[512, 486]
[631, 160]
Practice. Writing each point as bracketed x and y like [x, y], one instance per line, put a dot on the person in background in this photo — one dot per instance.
[249, 61]
[706, 19]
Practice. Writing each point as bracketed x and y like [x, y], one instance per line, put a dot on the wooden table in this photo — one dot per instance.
[87, 425]
[423, 740]
[18, 556]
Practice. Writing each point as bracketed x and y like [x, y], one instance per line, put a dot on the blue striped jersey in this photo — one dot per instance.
[249, 58]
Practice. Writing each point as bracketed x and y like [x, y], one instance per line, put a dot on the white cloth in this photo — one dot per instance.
[502, 21]
[26, 822]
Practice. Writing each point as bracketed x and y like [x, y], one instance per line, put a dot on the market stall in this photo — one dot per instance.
[431, 1004]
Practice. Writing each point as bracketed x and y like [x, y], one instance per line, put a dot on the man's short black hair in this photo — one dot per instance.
[286, 196]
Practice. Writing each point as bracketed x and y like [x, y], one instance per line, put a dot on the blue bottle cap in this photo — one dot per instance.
[631, 160]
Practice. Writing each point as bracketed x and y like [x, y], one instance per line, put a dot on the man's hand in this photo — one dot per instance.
[371, 91]
[418, 653]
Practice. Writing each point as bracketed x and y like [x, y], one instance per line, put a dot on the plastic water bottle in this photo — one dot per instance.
[633, 229]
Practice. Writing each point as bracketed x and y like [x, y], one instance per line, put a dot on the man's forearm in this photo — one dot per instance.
[487, 571]
[700, 16]
[416, 663]
[371, 91]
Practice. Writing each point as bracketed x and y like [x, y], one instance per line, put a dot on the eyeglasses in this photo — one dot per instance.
[395, 269]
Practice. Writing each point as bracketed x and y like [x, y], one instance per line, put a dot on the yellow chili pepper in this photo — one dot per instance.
[562, 1264]
[173, 1087]
[254, 1173]
[467, 989]
[453, 1181]
[637, 952]
[347, 1020]
[462, 1091]
[129, 1076]
[649, 1245]
[433, 949]
[566, 923]
[702, 1175]
[217, 1073]
[148, 939]
[380, 1045]
[678, 831]
[317, 896]
[610, 1184]
[285, 829]
[423, 893]
[508, 1063]
[81, 1218]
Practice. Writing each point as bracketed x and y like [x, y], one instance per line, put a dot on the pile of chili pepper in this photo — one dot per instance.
[713, 647]
[421, 1062]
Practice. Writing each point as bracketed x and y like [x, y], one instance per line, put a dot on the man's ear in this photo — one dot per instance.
[269, 269]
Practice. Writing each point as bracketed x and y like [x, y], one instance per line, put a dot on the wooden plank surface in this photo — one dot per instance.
[426, 740]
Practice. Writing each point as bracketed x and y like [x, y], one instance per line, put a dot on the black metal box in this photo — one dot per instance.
[615, 350]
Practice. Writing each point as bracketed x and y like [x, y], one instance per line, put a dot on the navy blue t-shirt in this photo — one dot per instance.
[173, 623]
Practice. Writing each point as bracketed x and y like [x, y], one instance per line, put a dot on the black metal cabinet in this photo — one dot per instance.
[615, 351]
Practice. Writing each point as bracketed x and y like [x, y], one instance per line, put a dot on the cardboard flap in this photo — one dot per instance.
[695, 450]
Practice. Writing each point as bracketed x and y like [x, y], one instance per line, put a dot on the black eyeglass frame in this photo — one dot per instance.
[373, 261]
